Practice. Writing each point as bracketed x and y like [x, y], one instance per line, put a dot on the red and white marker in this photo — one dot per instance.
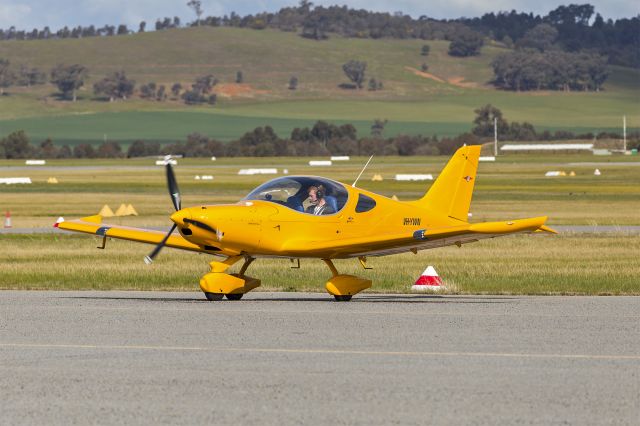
[429, 280]
[7, 219]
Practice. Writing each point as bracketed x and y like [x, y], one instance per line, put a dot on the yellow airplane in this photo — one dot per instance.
[313, 217]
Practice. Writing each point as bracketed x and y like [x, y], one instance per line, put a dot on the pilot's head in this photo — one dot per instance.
[316, 193]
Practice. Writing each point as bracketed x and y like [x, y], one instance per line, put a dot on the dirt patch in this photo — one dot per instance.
[459, 82]
[234, 90]
[425, 74]
[454, 81]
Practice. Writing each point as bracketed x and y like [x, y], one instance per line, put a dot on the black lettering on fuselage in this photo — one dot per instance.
[411, 221]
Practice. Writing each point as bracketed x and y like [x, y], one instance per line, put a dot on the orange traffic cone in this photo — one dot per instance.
[7, 220]
[429, 280]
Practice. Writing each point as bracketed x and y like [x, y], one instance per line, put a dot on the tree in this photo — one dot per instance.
[239, 77]
[176, 89]
[161, 94]
[6, 76]
[31, 76]
[484, 121]
[65, 152]
[16, 145]
[293, 83]
[424, 67]
[465, 42]
[48, 149]
[424, 51]
[84, 150]
[193, 97]
[148, 91]
[122, 29]
[142, 26]
[377, 128]
[115, 85]
[196, 5]
[141, 149]
[540, 37]
[109, 150]
[355, 71]
[69, 79]
[204, 84]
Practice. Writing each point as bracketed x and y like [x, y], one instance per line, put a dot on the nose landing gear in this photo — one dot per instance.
[217, 283]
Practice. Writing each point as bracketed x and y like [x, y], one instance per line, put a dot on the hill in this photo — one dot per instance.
[438, 102]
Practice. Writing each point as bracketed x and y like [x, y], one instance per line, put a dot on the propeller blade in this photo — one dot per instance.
[174, 191]
[149, 259]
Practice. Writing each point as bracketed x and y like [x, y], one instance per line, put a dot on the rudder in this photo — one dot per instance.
[452, 191]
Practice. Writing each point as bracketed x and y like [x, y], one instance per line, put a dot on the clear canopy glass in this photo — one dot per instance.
[293, 192]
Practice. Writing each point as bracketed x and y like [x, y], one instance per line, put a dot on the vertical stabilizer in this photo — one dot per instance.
[451, 192]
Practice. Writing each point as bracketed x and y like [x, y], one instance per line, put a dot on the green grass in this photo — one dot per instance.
[565, 264]
[413, 104]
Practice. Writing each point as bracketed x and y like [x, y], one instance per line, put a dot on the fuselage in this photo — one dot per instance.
[271, 227]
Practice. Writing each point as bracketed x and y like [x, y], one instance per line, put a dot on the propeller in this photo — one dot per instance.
[172, 184]
[174, 191]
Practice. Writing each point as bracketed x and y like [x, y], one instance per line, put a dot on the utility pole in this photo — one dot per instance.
[624, 133]
[495, 136]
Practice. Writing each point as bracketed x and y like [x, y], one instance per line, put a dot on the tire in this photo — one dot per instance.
[343, 298]
[234, 296]
[214, 296]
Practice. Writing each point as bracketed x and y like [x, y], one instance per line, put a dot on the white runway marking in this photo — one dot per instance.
[319, 351]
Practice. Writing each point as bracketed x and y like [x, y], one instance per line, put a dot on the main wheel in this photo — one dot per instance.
[213, 296]
[234, 296]
[343, 298]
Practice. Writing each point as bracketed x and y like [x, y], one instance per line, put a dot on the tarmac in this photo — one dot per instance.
[301, 358]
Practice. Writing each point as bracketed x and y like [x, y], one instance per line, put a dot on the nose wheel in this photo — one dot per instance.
[212, 297]
[343, 298]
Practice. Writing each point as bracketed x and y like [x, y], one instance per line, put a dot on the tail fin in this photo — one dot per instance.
[451, 192]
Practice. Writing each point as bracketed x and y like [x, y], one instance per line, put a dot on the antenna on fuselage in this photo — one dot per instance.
[361, 172]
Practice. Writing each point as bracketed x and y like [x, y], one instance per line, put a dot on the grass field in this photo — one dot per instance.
[565, 264]
[440, 103]
[513, 187]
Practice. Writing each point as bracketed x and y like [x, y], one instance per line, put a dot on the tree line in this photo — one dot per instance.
[527, 69]
[576, 25]
[116, 85]
[321, 139]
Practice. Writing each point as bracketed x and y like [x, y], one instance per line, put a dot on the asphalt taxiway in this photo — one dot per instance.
[283, 358]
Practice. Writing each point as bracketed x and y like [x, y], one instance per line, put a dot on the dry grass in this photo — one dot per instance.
[564, 264]
[511, 188]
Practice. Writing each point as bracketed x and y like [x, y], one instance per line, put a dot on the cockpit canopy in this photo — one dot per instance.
[293, 192]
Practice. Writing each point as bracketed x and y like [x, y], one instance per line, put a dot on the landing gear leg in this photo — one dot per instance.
[343, 286]
[217, 283]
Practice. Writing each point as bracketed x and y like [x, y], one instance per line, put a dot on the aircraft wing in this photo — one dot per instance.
[378, 245]
[93, 225]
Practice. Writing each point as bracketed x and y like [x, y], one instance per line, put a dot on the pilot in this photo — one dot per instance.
[318, 205]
